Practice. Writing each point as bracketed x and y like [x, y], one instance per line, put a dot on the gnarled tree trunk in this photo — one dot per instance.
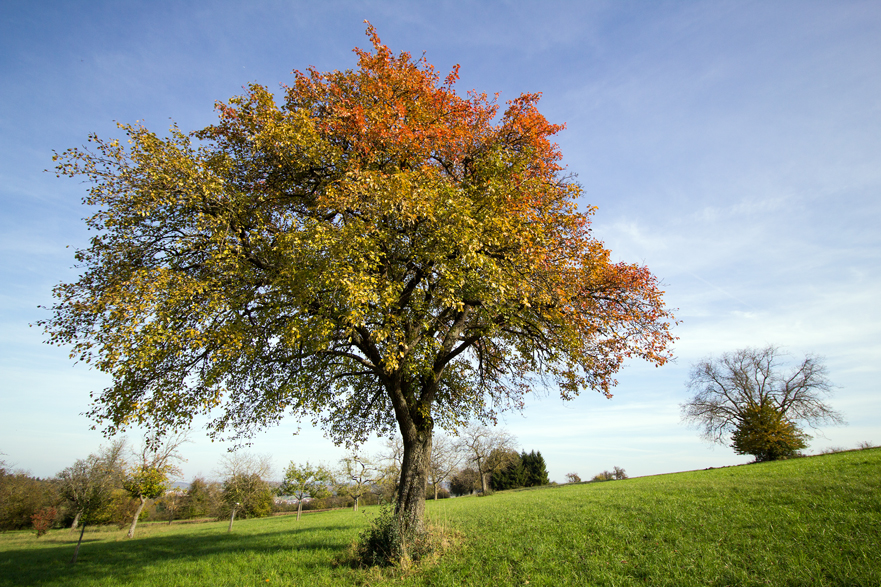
[410, 505]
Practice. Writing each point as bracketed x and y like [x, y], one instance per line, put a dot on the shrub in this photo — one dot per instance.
[43, 520]
[465, 482]
[765, 433]
[386, 542]
[573, 478]
[21, 496]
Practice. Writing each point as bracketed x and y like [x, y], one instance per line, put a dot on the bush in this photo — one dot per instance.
[573, 478]
[617, 473]
[43, 520]
[22, 496]
[386, 542]
[465, 482]
[604, 476]
[765, 433]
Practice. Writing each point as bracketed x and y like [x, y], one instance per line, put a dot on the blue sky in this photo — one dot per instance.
[732, 147]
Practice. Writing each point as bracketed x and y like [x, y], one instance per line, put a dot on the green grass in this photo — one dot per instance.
[811, 521]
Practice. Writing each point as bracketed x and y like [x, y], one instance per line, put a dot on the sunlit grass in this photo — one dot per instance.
[812, 521]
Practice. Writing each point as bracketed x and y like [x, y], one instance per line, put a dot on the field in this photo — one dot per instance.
[810, 521]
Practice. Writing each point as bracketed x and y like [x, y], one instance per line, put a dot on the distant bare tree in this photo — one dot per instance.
[486, 448]
[357, 473]
[573, 478]
[728, 388]
[244, 483]
[388, 475]
[446, 455]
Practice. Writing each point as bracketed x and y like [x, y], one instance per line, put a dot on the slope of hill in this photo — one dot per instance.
[810, 521]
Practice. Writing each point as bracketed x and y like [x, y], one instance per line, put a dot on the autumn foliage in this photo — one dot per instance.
[372, 250]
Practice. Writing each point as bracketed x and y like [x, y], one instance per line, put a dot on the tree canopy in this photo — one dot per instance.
[372, 251]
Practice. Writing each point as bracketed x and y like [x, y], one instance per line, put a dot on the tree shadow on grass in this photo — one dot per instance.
[124, 561]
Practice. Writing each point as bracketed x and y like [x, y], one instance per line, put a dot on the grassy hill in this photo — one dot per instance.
[811, 521]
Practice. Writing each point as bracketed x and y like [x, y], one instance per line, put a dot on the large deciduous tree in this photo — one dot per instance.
[373, 251]
[746, 395]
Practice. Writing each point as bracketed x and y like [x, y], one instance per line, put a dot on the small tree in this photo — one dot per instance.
[767, 435]
[245, 489]
[89, 483]
[573, 478]
[356, 475]
[155, 463]
[616, 474]
[604, 476]
[306, 480]
[43, 519]
[172, 503]
[511, 474]
[203, 499]
[388, 476]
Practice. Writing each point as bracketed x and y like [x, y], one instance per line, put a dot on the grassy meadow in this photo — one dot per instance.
[810, 521]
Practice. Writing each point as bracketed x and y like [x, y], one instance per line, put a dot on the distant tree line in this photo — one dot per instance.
[125, 485]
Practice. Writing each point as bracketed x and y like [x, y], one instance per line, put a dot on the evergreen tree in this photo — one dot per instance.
[512, 475]
[536, 470]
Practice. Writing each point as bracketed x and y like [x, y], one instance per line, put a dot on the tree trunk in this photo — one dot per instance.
[410, 504]
[356, 504]
[76, 521]
[131, 530]
[231, 518]
[435, 492]
[299, 508]
[80, 541]
[483, 476]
